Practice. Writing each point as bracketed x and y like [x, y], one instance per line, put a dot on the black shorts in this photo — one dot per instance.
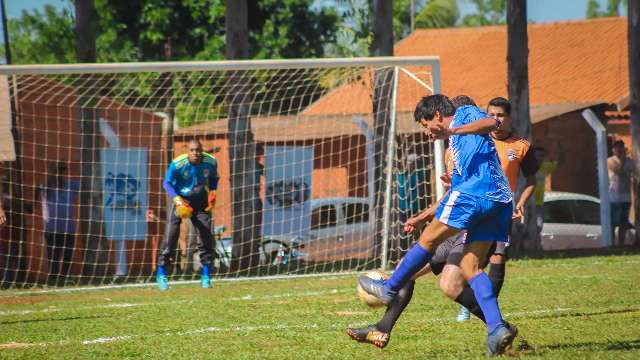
[449, 252]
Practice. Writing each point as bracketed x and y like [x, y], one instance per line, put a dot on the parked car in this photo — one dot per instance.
[572, 221]
[340, 229]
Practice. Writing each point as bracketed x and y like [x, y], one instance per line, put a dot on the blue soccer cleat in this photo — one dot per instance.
[463, 315]
[206, 281]
[500, 339]
[163, 282]
[377, 289]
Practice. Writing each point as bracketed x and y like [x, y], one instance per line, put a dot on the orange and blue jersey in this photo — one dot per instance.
[193, 182]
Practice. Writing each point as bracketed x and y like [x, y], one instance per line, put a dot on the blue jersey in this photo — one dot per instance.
[476, 170]
[192, 182]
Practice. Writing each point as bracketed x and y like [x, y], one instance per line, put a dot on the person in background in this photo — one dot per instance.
[620, 170]
[58, 197]
[191, 183]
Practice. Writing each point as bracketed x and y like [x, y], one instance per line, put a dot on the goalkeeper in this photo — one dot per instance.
[191, 182]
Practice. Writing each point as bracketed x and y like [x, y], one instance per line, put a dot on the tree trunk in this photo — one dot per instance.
[245, 190]
[634, 101]
[526, 238]
[91, 219]
[381, 103]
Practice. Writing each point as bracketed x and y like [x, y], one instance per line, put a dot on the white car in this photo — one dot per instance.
[572, 221]
[340, 229]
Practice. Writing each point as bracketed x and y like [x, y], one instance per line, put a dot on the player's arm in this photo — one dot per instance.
[418, 221]
[478, 127]
[169, 182]
[213, 186]
[529, 167]
[183, 209]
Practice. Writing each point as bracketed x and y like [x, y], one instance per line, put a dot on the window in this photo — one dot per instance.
[323, 217]
[356, 213]
[558, 212]
[587, 212]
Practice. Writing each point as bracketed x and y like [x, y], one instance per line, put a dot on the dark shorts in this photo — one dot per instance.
[451, 250]
[620, 213]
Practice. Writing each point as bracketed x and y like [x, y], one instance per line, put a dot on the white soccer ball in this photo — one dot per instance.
[371, 300]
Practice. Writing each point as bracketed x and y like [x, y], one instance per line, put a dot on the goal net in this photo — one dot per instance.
[319, 163]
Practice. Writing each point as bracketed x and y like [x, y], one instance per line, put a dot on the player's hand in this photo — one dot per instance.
[211, 201]
[446, 180]
[3, 217]
[439, 131]
[183, 209]
[518, 213]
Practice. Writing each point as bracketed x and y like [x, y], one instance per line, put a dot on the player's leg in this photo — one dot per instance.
[415, 259]
[49, 238]
[498, 263]
[494, 226]
[67, 255]
[167, 246]
[202, 222]
[380, 333]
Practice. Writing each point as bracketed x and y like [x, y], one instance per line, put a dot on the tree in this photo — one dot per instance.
[612, 9]
[633, 34]
[526, 239]
[91, 219]
[43, 37]
[488, 12]
[438, 14]
[245, 191]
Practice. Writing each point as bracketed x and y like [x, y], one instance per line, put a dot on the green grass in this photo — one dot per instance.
[565, 308]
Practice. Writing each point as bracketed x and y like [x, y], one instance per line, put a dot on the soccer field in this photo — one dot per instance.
[565, 308]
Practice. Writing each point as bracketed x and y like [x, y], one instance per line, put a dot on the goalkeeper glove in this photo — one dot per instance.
[211, 201]
[183, 209]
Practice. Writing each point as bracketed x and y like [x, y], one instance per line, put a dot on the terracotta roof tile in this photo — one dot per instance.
[573, 61]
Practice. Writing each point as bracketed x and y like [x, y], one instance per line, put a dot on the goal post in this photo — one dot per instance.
[293, 140]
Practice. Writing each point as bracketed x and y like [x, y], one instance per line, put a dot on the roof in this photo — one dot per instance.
[569, 62]
[572, 65]
[7, 150]
[301, 127]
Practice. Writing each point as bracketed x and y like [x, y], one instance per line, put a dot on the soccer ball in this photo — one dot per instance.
[371, 300]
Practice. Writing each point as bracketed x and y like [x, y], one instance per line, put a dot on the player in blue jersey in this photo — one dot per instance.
[191, 182]
[479, 201]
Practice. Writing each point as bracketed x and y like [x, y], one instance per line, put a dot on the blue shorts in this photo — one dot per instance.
[484, 220]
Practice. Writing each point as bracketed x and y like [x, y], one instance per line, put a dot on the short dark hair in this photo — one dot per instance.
[194, 141]
[618, 143]
[462, 100]
[501, 102]
[429, 105]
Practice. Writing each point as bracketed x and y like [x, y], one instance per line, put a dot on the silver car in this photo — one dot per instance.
[340, 229]
[572, 221]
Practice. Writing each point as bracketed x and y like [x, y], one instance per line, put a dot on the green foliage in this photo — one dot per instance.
[438, 14]
[42, 37]
[488, 12]
[612, 8]
[566, 308]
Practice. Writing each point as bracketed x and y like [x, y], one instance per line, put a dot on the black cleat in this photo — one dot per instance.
[370, 335]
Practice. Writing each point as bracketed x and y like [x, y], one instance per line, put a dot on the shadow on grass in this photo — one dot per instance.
[604, 346]
[54, 319]
[577, 253]
[583, 313]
